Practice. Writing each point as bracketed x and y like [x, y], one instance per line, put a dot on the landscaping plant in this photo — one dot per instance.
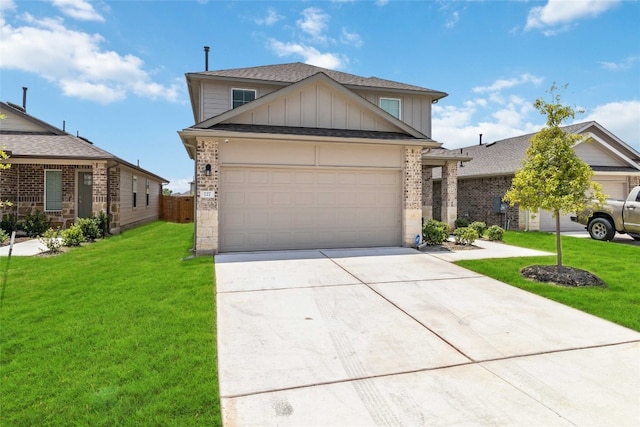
[73, 236]
[495, 232]
[90, 228]
[479, 226]
[35, 223]
[9, 222]
[465, 236]
[52, 240]
[435, 232]
[461, 222]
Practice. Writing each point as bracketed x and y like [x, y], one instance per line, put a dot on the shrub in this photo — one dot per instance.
[72, 236]
[465, 236]
[103, 223]
[51, 239]
[435, 232]
[479, 226]
[90, 228]
[9, 222]
[495, 232]
[3, 236]
[36, 223]
[461, 222]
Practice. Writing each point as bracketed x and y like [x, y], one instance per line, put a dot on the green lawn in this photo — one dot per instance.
[616, 264]
[119, 332]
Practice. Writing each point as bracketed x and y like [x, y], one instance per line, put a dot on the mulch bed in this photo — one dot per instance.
[563, 276]
[17, 240]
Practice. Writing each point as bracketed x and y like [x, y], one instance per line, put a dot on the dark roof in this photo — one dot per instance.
[505, 156]
[23, 144]
[302, 131]
[296, 71]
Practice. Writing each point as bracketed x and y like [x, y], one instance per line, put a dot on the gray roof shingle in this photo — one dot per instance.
[50, 146]
[296, 71]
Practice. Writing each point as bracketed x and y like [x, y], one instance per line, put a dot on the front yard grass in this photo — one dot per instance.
[119, 332]
[616, 264]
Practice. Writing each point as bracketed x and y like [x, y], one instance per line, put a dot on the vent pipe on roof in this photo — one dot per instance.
[206, 58]
[64, 126]
[24, 99]
[480, 139]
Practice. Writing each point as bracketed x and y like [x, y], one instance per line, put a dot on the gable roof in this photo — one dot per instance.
[46, 127]
[296, 71]
[504, 157]
[228, 115]
[51, 143]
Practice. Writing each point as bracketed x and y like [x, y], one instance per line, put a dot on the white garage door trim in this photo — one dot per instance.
[271, 208]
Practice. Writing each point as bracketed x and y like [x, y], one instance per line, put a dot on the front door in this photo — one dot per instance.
[85, 194]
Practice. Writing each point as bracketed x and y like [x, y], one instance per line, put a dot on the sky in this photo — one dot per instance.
[114, 71]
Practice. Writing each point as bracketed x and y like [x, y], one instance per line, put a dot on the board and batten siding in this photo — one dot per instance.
[130, 216]
[416, 110]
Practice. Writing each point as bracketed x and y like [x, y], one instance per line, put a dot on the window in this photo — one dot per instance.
[135, 191]
[147, 191]
[391, 106]
[52, 190]
[242, 96]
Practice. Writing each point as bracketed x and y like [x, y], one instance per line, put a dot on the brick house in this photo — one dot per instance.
[294, 156]
[483, 181]
[68, 177]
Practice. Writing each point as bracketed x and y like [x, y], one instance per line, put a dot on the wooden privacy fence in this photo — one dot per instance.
[176, 209]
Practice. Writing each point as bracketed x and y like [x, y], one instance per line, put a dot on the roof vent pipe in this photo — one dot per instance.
[24, 99]
[64, 126]
[480, 139]
[206, 58]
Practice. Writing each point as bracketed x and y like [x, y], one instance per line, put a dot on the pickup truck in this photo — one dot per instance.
[622, 216]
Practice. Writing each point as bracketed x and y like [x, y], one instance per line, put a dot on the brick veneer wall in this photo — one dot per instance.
[475, 200]
[206, 235]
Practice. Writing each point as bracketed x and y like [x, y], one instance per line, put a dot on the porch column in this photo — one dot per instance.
[99, 200]
[450, 193]
[427, 192]
[207, 175]
[412, 195]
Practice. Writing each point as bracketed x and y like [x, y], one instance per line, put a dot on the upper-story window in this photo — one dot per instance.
[242, 96]
[391, 106]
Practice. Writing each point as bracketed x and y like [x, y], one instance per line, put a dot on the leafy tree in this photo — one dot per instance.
[3, 156]
[167, 192]
[552, 176]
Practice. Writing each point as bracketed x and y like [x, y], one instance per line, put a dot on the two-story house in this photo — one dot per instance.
[294, 156]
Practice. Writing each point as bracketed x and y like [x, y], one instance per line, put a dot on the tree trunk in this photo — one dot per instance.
[558, 242]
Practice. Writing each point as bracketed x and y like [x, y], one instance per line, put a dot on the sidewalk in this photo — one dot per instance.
[28, 248]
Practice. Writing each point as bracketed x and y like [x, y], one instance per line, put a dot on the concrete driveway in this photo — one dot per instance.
[392, 336]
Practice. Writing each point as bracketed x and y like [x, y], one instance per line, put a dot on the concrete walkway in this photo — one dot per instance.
[27, 248]
[392, 336]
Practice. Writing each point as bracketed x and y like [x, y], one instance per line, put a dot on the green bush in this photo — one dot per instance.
[51, 239]
[90, 228]
[465, 236]
[461, 222]
[435, 232]
[479, 226]
[72, 236]
[9, 222]
[103, 223]
[3, 236]
[36, 223]
[495, 232]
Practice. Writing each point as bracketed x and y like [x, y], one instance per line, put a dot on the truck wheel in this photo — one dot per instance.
[601, 229]
[635, 236]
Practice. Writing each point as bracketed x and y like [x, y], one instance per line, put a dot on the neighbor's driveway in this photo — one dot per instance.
[391, 336]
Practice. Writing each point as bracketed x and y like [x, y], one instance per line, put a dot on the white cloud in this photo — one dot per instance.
[271, 18]
[620, 118]
[381, 3]
[7, 5]
[78, 9]
[314, 22]
[179, 185]
[310, 54]
[76, 62]
[502, 84]
[352, 39]
[453, 20]
[562, 13]
[622, 65]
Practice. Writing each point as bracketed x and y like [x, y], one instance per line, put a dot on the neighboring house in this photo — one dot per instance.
[67, 177]
[483, 181]
[294, 156]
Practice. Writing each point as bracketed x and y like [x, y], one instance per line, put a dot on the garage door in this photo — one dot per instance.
[613, 189]
[280, 208]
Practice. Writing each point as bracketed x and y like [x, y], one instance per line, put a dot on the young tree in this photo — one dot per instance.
[3, 156]
[553, 177]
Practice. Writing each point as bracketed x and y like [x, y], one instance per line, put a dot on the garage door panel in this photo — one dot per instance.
[271, 209]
